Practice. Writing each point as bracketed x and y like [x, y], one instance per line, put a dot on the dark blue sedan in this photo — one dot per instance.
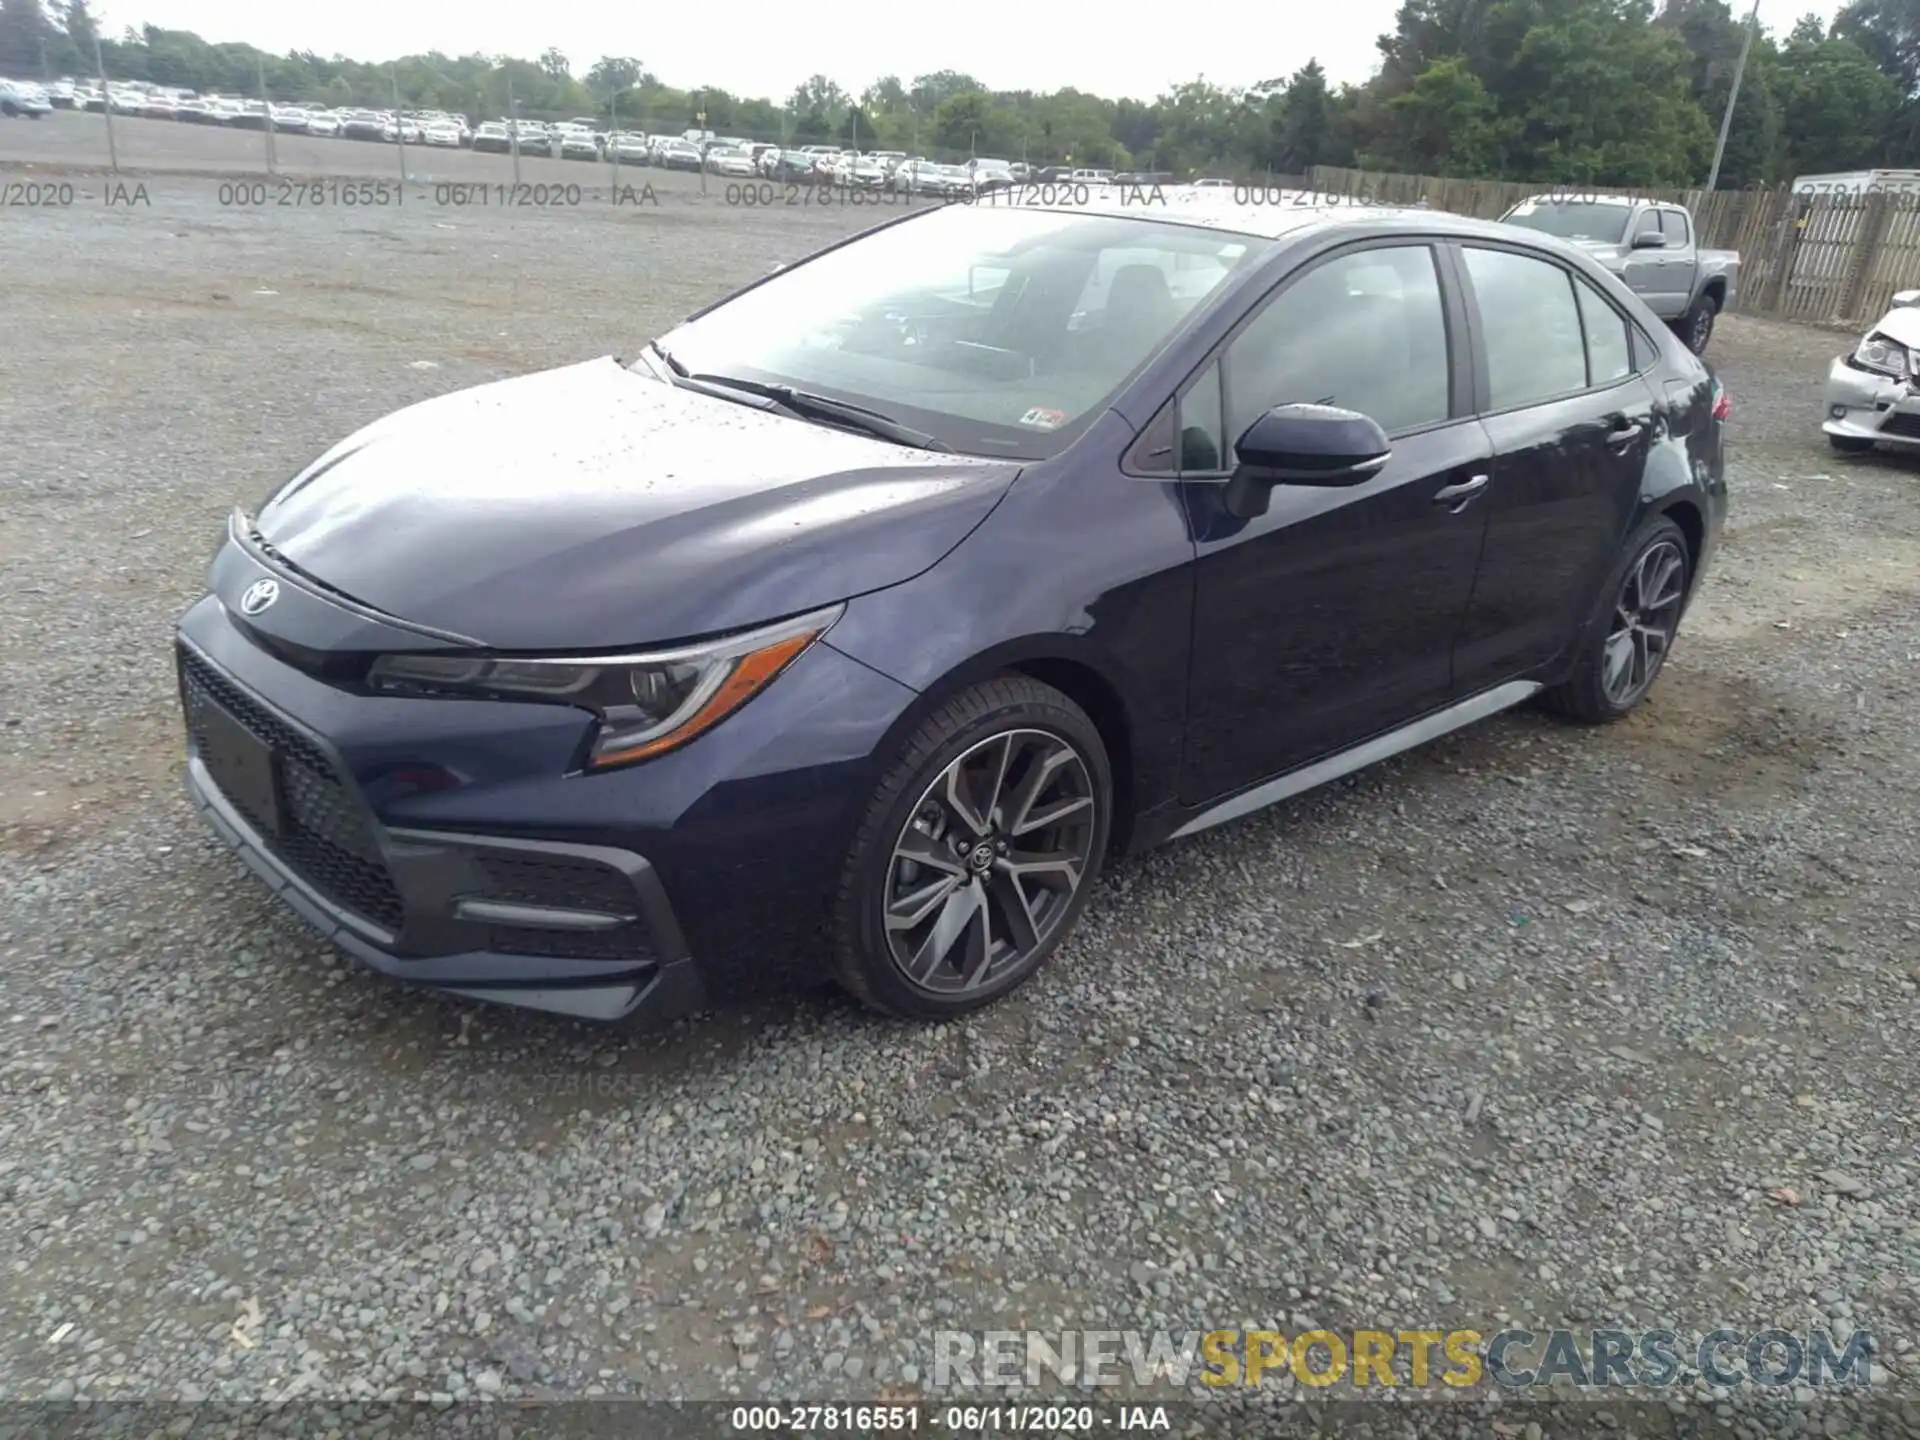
[847, 630]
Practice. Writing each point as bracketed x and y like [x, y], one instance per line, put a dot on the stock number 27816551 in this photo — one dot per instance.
[309, 194]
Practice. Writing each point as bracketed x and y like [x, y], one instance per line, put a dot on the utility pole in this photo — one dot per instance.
[1733, 97]
[399, 124]
[267, 114]
[513, 131]
[106, 102]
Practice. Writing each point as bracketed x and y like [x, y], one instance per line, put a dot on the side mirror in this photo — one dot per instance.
[1318, 445]
[1906, 299]
[1649, 240]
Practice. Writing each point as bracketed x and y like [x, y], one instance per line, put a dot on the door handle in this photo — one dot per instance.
[1624, 431]
[1459, 495]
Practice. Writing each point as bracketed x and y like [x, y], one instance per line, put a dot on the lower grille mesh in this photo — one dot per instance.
[569, 884]
[327, 841]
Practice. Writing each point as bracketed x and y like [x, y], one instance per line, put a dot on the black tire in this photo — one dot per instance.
[9, 109]
[1011, 706]
[1696, 330]
[1850, 444]
[1585, 695]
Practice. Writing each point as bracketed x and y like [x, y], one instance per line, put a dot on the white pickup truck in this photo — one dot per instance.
[1650, 245]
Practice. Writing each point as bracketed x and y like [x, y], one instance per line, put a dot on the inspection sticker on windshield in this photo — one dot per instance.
[1041, 418]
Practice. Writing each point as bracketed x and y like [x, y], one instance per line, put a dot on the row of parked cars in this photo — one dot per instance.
[578, 139]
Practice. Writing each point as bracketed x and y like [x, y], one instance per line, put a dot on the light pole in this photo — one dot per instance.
[1733, 96]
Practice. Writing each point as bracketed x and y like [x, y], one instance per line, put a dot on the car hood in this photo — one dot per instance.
[1902, 325]
[591, 507]
[1605, 251]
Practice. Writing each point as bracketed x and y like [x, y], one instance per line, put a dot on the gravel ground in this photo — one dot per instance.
[1524, 1027]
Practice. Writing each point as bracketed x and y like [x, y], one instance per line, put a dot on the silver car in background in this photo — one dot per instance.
[1873, 392]
[24, 97]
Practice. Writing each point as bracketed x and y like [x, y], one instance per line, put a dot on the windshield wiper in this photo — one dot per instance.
[808, 406]
[672, 364]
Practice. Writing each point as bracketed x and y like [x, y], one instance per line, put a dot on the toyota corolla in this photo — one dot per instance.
[848, 629]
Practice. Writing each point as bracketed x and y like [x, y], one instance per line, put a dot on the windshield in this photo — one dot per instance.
[997, 331]
[1574, 219]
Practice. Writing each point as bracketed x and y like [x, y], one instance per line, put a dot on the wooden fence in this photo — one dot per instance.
[1826, 259]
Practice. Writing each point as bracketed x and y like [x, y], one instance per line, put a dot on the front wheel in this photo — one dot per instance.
[976, 853]
[1697, 328]
[1850, 444]
[1627, 644]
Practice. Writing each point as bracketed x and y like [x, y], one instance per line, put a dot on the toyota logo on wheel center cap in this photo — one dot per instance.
[981, 858]
[258, 596]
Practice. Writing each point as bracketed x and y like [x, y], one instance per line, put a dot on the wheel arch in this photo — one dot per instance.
[1682, 510]
[1716, 290]
[1080, 673]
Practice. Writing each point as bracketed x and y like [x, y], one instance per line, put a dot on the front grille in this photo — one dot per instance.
[1903, 424]
[327, 841]
[568, 884]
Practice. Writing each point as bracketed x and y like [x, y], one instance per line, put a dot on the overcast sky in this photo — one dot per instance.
[766, 47]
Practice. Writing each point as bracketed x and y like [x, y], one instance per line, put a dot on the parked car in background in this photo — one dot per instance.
[861, 173]
[1649, 245]
[579, 145]
[671, 742]
[990, 175]
[1871, 394]
[917, 176]
[61, 94]
[1090, 177]
[442, 133]
[679, 155]
[491, 137]
[733, 164]
[629, 148]
[24, 98]
[323, 124]
[793, 166]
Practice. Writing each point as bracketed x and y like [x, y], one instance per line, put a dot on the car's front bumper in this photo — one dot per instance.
[1861, 405]
[443, 908]
[453, 843]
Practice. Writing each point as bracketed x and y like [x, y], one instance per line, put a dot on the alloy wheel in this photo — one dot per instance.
[989, 861]
[1702, 329]
[1645, 616]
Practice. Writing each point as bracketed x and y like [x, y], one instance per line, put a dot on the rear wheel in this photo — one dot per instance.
[1697, 328]
[1850, 444]
[1628, 641]
[976, 853]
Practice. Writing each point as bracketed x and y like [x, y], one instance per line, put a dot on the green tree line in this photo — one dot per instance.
[1593, 91]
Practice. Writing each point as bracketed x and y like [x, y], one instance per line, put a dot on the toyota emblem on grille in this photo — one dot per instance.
[258, 596]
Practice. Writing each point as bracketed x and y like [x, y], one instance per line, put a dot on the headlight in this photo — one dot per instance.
[648, 704]
[1884, 356]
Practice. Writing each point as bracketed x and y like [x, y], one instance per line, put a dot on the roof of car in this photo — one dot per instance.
[1218, 208]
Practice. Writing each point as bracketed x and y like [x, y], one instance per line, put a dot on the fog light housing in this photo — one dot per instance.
[1838, 412]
